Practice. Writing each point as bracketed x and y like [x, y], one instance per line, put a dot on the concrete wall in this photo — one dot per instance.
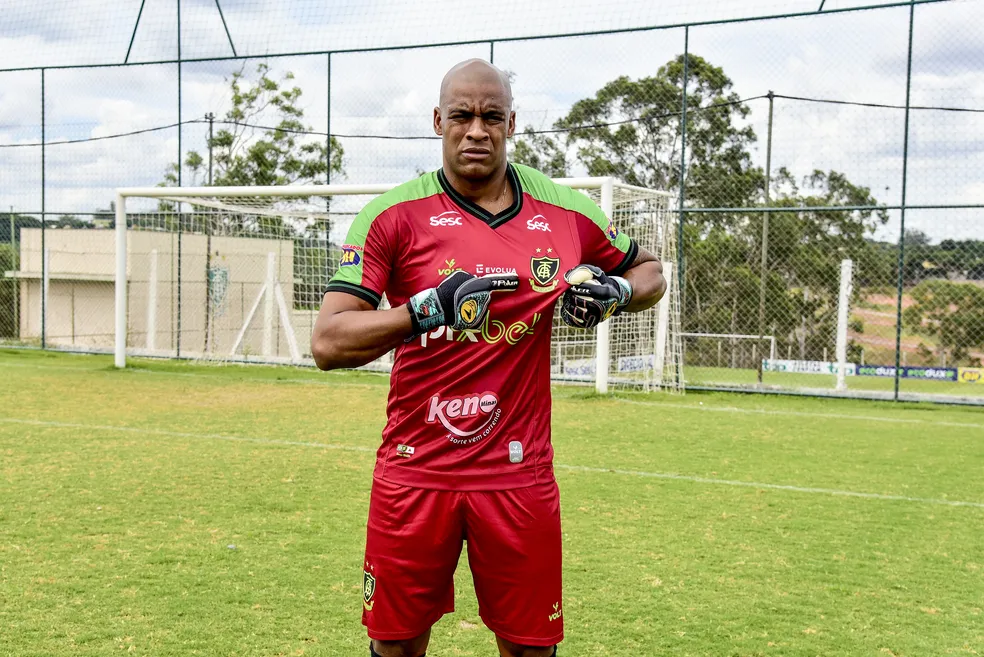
[81, 310]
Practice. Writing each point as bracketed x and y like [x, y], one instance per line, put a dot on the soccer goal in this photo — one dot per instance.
[237, 274]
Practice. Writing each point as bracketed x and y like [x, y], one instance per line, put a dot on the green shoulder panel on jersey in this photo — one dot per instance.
[542, 188]
[348, 278]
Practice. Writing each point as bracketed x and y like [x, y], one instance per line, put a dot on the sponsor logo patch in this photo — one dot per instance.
[406, 451]
[467, 418]
[350, 257]
[450, 267]
[368, 589]
[611, 231]
[448, 218]
[557, 612]
[491, 331]
[538, 222]
[482, 270]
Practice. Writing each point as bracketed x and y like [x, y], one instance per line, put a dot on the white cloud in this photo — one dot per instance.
[853, 56]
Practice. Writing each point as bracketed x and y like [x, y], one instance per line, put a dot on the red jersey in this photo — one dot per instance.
[470, 410]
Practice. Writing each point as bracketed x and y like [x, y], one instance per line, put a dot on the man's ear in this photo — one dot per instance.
[438, 129]
[512, 124]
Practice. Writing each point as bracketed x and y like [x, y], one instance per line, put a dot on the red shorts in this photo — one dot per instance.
[413, 543]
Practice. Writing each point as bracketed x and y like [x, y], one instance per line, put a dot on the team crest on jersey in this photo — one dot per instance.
[544, 269]
[368, 590]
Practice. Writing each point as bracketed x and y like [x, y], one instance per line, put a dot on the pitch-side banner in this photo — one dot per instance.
[807, 367]
[970, 375]
[924, 373]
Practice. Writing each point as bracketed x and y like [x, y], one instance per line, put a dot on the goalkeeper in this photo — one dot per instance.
[473, 259]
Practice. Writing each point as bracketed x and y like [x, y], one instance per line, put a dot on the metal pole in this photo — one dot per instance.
[210, 117]
[120, 352]
[44, 261]
[681, 269]
[765, 235]
[491, 52]
[180, 154]
[15, 265]
[905, 171]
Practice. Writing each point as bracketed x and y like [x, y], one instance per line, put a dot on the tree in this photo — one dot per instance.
[952, 313]
[631, 129]
[262, 141]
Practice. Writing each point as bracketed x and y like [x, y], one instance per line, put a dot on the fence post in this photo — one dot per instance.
[905, 176]
[120, 356]
[764, 267]
[681, 268]
[843, 306]
[15, 266]
[44, 250]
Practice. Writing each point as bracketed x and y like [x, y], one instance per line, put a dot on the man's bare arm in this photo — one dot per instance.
[349, 332]
[645, 275]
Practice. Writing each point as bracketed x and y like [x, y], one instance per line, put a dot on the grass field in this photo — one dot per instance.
[174, 509]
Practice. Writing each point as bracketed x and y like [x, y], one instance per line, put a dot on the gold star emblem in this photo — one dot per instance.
[539, 250]
[549, 250]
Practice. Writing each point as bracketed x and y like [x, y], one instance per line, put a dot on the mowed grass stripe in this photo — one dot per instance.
[560, 466]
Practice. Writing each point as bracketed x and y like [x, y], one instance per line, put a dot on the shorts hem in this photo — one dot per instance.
[535, 642]
[410, 634]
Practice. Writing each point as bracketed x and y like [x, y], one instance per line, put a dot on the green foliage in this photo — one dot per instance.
[631, 129]
[952, 313]
[274, 155]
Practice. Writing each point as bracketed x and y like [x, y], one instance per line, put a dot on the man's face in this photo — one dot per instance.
[474, 121]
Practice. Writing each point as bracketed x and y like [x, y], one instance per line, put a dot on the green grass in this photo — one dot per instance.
[121, 493]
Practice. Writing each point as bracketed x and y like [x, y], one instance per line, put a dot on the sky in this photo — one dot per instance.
[855, 56]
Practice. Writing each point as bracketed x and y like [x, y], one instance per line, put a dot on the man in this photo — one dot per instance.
[469, 258]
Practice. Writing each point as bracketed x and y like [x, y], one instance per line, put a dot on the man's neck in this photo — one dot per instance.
[490, 191]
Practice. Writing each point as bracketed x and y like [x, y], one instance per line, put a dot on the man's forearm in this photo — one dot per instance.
[648, 285]
[353, 338]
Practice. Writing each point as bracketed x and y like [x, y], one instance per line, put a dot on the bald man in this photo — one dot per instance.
[469, 257]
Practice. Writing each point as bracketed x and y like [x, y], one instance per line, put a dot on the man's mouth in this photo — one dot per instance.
[476, 153]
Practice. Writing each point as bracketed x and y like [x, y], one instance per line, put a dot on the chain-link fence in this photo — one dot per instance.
[794, 137]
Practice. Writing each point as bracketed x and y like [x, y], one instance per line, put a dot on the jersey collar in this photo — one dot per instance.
[493, 220]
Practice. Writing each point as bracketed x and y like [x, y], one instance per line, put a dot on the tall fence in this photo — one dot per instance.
[792, 141]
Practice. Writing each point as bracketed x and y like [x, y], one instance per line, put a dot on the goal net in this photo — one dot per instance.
[237, 274]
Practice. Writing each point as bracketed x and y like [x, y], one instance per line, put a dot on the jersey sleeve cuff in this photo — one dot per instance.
[627, 261]
[363, 293]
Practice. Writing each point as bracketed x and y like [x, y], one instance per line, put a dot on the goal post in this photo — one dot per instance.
[236, 274]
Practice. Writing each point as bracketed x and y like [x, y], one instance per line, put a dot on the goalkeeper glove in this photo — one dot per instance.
[593, 296]
[460, 301]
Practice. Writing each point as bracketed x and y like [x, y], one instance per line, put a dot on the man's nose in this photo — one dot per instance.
[476, 130]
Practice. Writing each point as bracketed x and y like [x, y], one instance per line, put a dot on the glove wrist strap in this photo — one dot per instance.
[426, 312]
[625, 289]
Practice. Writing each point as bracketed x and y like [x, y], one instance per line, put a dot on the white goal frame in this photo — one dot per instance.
[605, 185]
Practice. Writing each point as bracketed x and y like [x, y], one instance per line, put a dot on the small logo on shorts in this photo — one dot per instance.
[405, 451]
[515, 451]
[368, 590]
[557, 612]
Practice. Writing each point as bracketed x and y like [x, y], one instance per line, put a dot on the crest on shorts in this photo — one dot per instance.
[544, 270]
[368, 590]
